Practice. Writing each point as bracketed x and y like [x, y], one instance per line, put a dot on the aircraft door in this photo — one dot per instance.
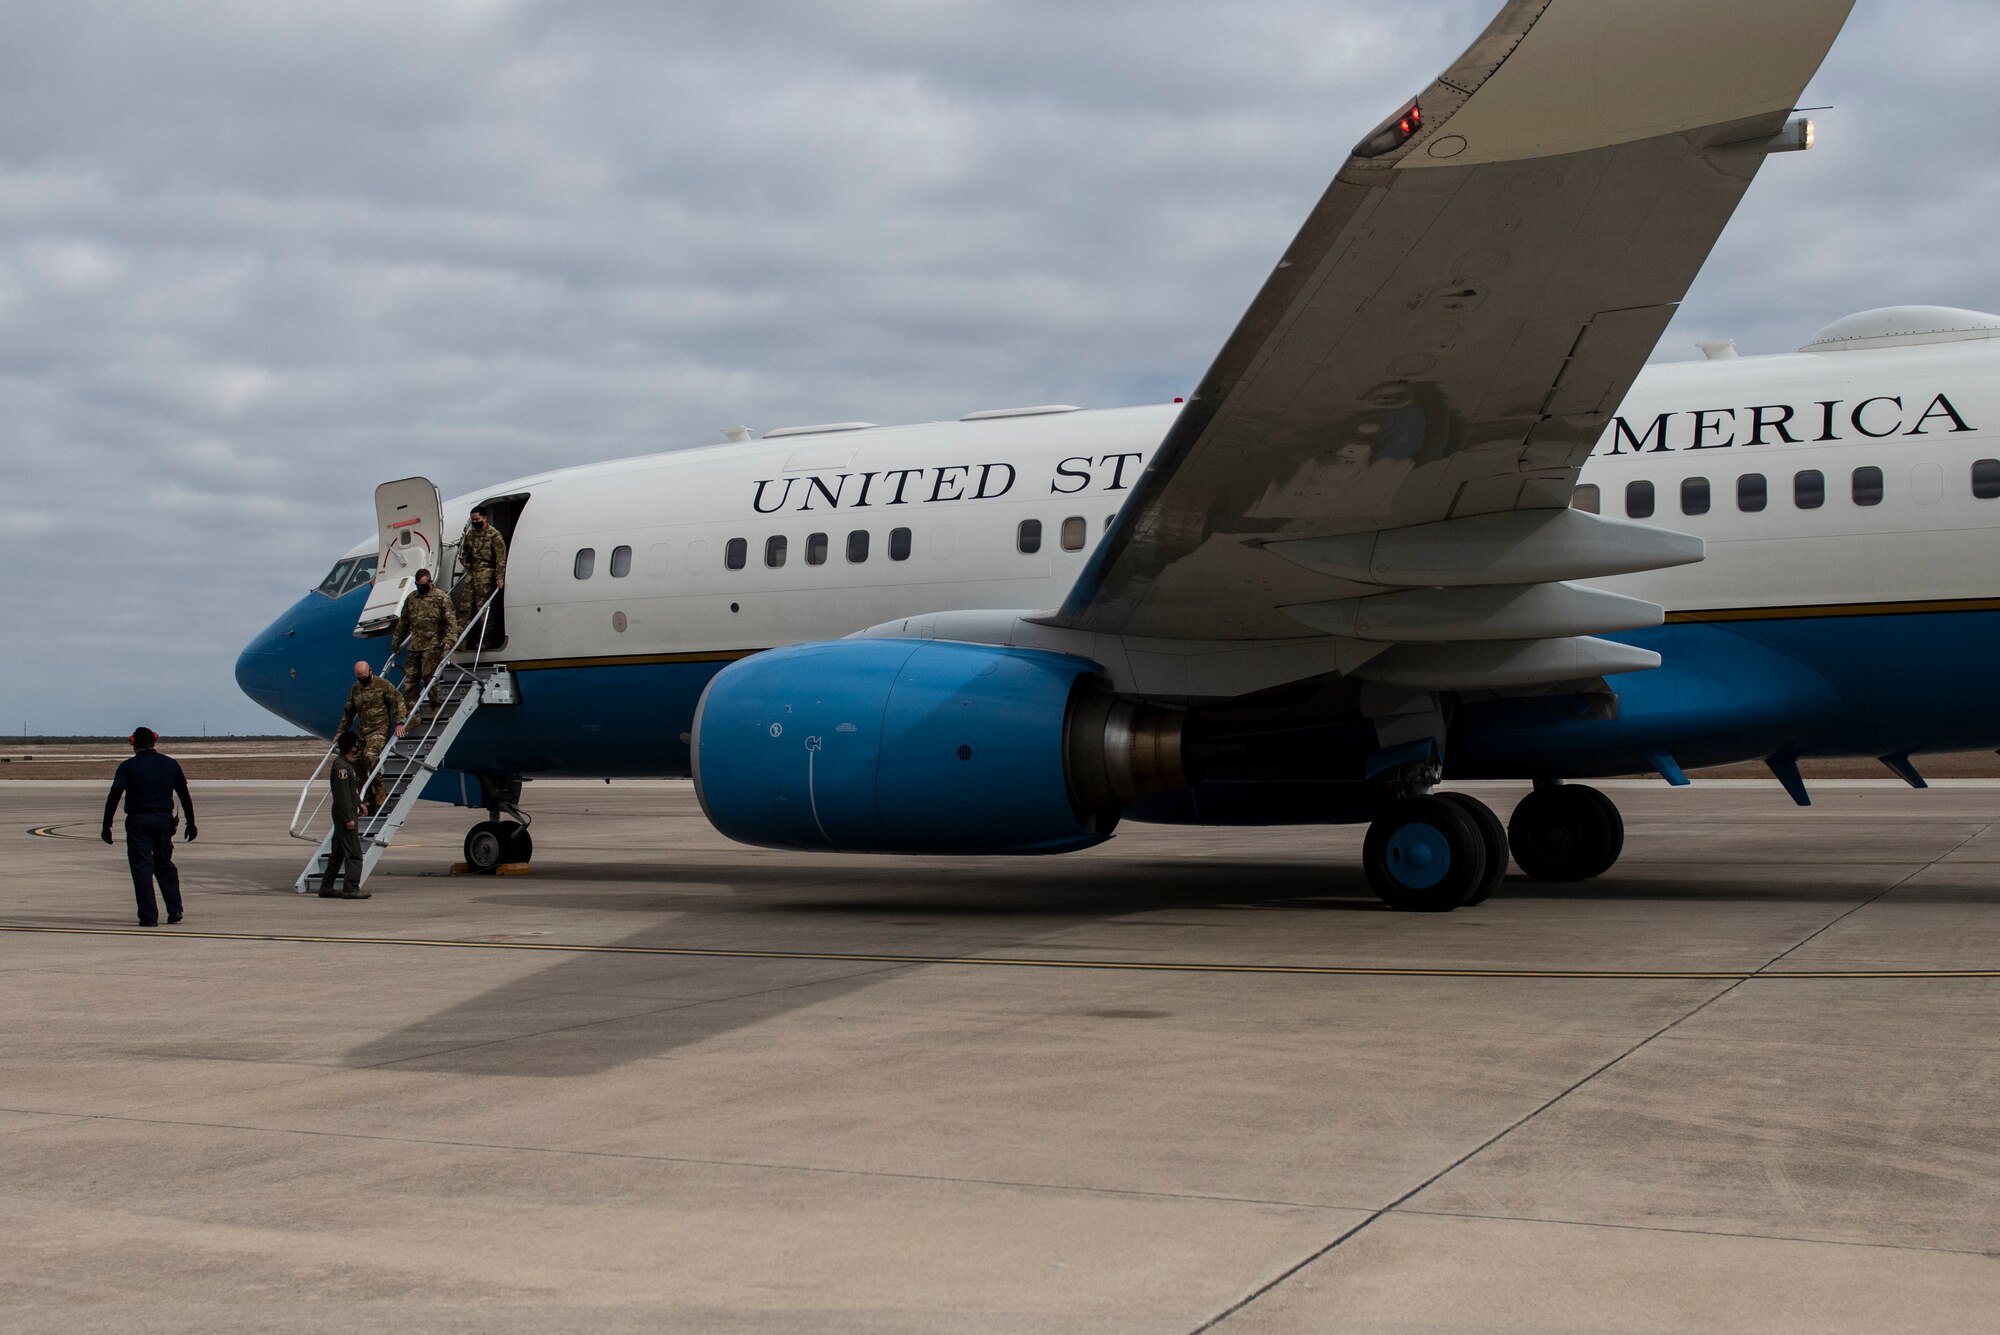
[409, 514]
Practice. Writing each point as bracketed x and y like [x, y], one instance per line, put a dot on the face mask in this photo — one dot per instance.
[479, 523]
[423, 586]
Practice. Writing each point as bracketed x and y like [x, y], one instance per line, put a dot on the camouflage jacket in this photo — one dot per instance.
[373, 707]
[427, 621]
[483, 553]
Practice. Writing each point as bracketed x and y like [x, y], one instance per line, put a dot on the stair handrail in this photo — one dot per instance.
[302, 828]
[421, 744]
[302, 819]
[431, 720]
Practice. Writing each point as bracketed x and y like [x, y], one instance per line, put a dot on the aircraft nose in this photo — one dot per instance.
[260, 668]
[298, 667]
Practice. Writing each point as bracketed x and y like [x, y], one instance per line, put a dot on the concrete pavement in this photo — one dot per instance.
[203, 1128]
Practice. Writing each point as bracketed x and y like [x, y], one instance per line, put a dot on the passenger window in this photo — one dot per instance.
[1694, 495]
[1639, 499]
[1868, 486]
[1109, 520]
[774, 550]
[656, 559]
[364, 573]
[1028, 538]
[1986, 478]
[815, 549]
[899, 544]
[585, 564]
[621, 562]
[1585, 497]
[736, 554]
[1809, 489]
[336, 579]
[1752, 492]
[857, 545]
[697, 558]
[1072, 533]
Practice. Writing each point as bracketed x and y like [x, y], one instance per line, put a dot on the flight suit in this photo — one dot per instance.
[482, 553]
[424, 631]
[344, 780]
[374, 708]
[147, 785]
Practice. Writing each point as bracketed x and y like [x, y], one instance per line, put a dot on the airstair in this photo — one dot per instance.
[448, 702]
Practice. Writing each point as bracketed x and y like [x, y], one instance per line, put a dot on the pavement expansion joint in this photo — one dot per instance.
[1760, 974]
[1697, 1232]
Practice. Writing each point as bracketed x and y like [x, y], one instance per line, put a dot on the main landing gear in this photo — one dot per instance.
[1566, 832]
[1442, 851]
[495, 843]
[1434, 853]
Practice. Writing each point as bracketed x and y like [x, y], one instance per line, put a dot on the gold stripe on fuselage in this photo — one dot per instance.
[1838, 610]
[630, 660]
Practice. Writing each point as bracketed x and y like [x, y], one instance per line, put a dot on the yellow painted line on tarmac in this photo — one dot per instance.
[999, 961]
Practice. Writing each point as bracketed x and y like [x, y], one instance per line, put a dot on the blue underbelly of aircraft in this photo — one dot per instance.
[1867, 685]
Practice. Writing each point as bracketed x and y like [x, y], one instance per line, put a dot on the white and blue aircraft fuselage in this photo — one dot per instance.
[1424, 518]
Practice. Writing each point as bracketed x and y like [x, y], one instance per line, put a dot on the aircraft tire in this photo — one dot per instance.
[520, 846]
[1494, 834]
[1571, 833]
[1424, 855]
[486, 847]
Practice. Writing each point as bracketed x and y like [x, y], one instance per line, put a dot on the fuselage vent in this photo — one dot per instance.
[822, 429]
[1039, 410]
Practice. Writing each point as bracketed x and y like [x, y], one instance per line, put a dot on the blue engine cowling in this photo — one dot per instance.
[905, 746]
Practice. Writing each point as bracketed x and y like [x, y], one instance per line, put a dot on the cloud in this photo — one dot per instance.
[256, 258]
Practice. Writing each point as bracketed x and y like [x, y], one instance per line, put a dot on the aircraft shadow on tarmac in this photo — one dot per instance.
[543, 1024]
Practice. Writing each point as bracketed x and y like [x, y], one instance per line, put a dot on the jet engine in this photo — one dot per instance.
[925, 746]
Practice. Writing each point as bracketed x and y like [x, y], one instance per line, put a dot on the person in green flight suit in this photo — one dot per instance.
[344, 778]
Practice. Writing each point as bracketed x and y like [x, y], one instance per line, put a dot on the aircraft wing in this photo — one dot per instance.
[1403, 409]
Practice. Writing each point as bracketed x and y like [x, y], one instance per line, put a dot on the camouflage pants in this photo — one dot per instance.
[371, 752]
[419, 666]
[471, 594]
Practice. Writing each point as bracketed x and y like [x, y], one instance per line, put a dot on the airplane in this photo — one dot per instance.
[1428, 516]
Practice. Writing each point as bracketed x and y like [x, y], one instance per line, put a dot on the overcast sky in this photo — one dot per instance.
[256, 257]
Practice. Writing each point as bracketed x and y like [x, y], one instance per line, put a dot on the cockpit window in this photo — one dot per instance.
[336, 578]
[364, 573]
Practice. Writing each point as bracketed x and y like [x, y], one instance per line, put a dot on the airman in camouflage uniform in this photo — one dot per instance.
[482, 554]
[425, 629]
[374, 710]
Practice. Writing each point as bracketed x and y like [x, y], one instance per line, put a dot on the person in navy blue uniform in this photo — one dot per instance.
[148, 783]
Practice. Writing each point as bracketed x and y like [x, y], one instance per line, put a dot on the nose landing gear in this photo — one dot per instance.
[496, 843]
[492, 844]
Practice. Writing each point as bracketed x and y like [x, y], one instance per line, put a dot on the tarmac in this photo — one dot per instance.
[1192, 1080]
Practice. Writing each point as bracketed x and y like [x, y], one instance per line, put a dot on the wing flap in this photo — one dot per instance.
[1449, 342]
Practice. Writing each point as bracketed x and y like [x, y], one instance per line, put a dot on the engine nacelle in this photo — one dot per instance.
[925, 746]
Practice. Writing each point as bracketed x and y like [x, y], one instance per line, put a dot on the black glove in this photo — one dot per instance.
[191, 832]
[105, 834]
